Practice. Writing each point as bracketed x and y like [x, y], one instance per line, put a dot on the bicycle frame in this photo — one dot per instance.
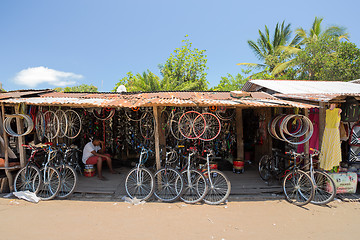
[139, 165]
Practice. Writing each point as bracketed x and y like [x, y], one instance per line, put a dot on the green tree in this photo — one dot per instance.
[145, 82]
[267, 47]
[314, 34]
[186, 68]
[330, 59]
[79, 88]
[232, 83]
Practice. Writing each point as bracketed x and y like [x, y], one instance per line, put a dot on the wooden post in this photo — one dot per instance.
[306, 144]
[157, 137]
[20, 127]
[6, 143]
[239, 134]
[268, 116]
[322, 117]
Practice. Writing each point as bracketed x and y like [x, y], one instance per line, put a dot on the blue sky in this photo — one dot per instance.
[44, 44]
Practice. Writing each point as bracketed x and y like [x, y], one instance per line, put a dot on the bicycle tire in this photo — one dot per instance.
[298, 188]
[74, 124]
[52, 126]
[147, 126]
[142, 189]
[212, 127]
[27, 178]
[40, 126]
[220, 189]
[226, 115]
[196, 190]
[135, 116]
[50, 186]
[265, 167]
[174, 126]
[169, 184]
[192, 125]
[325, 189]
[63, 123]
[68, 181]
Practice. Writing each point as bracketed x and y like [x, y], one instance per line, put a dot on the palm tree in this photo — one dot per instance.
[267, 49]
[145, 82]
[313, 35]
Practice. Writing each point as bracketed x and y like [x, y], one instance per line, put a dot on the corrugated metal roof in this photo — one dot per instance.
[302, 86]
[319, 97]
[183, 99]
[22, 93]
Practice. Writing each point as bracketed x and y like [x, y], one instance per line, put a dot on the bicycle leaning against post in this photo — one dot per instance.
[139, 181]
[169, 183]
[297, 185]
[325, 189]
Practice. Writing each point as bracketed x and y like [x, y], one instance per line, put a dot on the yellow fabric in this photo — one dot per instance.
[331, 149]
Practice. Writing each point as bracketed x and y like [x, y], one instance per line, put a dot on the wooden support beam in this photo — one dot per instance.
[157, 136]
[322, 118]
[239, 134]
[268, 117]
[6, 143]
[21, 140]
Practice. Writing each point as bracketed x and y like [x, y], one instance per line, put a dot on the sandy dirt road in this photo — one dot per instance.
[275, 219]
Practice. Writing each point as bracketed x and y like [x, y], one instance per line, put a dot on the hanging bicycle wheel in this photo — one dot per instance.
[27, 179]
[40, 126]
[165, 123]
[139, 184]
[51, 182]
[63, 123]
[52, 126]
[212, 127]
[134, 114]
[74, 124]
[195, 186]
[174, 126]
[68, 181]
[225, 114]
[168, 184]
[192, 125]
[103, 113]
[219, 189]
[147, 126]
[325, 189]
[298, 188]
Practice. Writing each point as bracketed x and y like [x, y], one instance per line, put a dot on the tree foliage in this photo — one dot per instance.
[79, 88]
[232, 83]
[184, 70]
[328, 59]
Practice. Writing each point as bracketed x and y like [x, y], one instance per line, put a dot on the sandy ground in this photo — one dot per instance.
[275, 219]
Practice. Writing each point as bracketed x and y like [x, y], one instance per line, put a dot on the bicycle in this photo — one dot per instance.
[67, 173]
[169, 183]
[297, 185]
[325, 189]
[195, 183]
[219, 184]
[139, 181]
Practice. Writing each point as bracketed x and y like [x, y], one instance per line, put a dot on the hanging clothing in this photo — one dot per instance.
[331, 146]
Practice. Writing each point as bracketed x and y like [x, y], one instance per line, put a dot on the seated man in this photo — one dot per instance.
[94, 153]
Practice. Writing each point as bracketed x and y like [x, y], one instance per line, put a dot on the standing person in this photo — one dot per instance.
[94, 153]
[330, 156]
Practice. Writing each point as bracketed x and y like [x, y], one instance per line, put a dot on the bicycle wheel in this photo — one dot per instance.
[325, 189]
[103, 113]
[74, 124]
[265, 167]
[174, 126]
[134, 114]
[165, 125]
[52, 126]
[147, 126]
[192, 125]
[168, 184]
[63, 123]
[40, 126]
[226, 115]
[220, 188]
[139, 184]
[50, 185]
[27, 178]
[195, 186]
[68, 181]
[298, 188]
[212, 127]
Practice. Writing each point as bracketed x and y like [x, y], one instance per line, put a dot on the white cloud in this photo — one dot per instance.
[32, 77]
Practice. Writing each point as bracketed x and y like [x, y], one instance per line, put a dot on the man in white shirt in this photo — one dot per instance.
[94, 153]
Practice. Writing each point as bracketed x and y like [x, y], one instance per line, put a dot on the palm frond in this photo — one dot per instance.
[282, 67]
[252, 65]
